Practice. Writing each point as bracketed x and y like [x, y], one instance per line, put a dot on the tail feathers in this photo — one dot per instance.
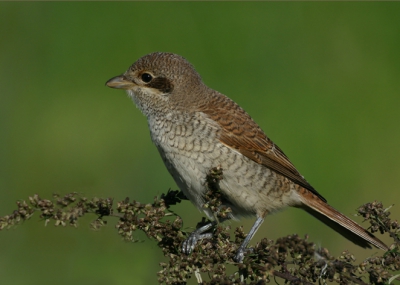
[340, 223]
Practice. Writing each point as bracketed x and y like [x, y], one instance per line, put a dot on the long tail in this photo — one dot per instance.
[339, 222]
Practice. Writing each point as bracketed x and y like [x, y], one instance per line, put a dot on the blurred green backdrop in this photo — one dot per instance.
[322, 79]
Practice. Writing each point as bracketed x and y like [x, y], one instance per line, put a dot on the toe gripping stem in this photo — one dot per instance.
[197, 235]
[200, 233]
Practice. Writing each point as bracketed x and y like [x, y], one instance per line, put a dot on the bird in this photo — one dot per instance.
[196, 128]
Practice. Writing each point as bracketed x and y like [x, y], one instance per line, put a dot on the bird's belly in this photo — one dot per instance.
[250, 188]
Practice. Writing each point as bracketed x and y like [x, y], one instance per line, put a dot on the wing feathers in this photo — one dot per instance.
[240, 132]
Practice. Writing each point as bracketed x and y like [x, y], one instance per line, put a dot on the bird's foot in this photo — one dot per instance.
[199, 234]
[239, 256]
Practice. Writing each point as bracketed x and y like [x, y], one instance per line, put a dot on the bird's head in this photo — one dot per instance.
[159, 81]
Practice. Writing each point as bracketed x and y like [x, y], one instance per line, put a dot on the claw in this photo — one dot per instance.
[199, 234]
[239, 256]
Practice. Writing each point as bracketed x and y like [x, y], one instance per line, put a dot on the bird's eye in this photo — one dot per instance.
[146, 77]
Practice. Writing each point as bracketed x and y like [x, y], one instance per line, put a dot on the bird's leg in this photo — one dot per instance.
[243, 247]
[198, 234]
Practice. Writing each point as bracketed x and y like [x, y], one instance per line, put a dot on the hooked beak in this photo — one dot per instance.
[120, 82]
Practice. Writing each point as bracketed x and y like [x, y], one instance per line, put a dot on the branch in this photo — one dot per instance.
[292, 258]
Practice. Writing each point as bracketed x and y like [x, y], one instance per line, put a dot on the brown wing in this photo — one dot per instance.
[240, 132]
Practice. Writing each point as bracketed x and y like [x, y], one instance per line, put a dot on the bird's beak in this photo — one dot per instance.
[120, 82]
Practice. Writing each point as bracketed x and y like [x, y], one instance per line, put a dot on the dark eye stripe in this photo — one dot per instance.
[162, 84]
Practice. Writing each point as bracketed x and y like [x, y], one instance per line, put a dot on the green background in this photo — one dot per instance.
[322, 80]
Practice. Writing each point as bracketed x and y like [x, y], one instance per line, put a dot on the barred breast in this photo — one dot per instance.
[190, 147]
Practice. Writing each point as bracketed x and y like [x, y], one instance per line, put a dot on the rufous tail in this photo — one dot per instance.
[339, 222]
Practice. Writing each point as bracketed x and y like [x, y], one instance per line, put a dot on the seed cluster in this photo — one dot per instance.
[293, 259]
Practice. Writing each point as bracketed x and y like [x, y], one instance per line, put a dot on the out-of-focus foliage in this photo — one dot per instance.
[322, 79]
